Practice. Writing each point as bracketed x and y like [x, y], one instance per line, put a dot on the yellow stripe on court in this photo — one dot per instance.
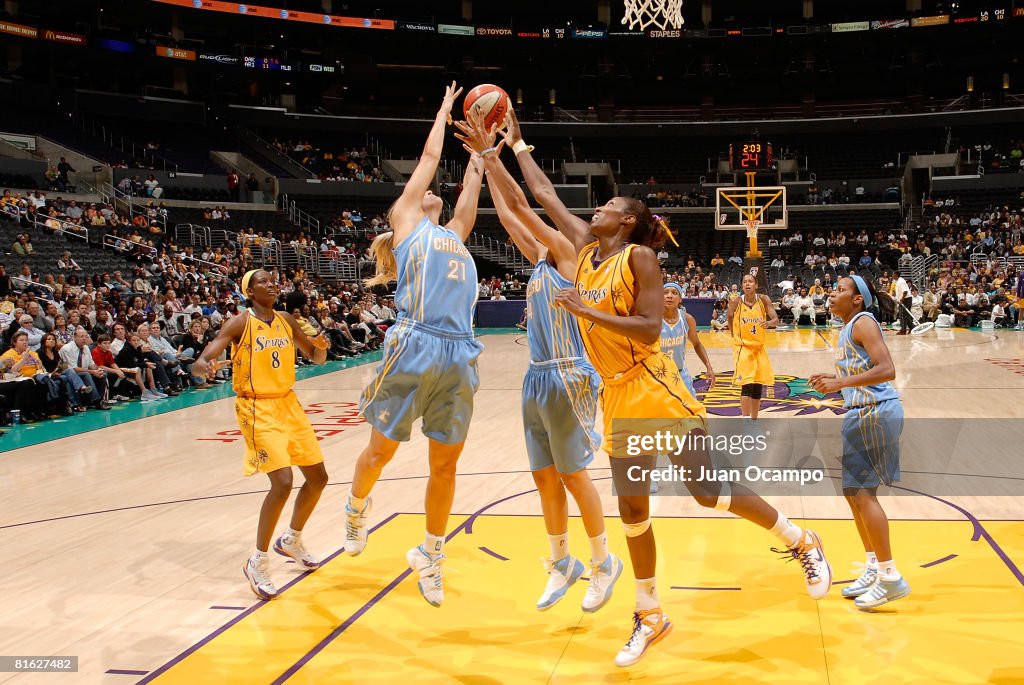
[740, 614]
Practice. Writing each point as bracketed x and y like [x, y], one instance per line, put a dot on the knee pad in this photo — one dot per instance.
[724, 500]
[635, 530]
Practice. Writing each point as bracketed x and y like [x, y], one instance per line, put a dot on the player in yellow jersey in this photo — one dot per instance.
[750, 317]
[619, 302]
[277, 432]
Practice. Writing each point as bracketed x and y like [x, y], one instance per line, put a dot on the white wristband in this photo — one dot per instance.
[520, 146]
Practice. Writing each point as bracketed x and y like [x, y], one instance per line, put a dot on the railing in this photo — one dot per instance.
[916, 270]
[192, 234]
[302, 219]
[214, 270]
[117, 197]
[126, 246]
[121, 144]
[344, 267]
[220, 237]
[22, 284]
[65, 228]
[503, 253]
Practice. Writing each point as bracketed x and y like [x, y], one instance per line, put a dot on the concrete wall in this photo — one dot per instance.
[236, 160]
[986, 182]
[86, 166]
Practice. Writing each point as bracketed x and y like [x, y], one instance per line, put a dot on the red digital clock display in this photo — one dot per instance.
[750, 156]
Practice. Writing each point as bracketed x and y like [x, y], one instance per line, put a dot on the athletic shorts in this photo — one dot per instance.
[277, 434]
[652, 390]
[559, 412]
[871, 444]
[752, 366]
[425, 372]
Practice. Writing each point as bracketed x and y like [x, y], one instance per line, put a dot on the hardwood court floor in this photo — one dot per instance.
[126, 545]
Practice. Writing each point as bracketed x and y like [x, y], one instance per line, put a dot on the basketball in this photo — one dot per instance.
[492, 100]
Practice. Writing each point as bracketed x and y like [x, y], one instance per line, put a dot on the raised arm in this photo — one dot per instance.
[464, 216]
[520, 235]
[504, 189]
[644, 323]
[574, 228]
[408, 209]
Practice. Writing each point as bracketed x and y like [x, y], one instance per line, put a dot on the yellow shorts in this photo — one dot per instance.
[277, 434]
[652, 395]
[752, 366]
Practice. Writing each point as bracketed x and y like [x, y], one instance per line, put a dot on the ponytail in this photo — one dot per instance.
[383, 247]
[651, 230]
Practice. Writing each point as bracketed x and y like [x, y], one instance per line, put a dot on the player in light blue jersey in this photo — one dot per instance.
[676, 328]
[871, 436]
[429, 367]
[560, 390]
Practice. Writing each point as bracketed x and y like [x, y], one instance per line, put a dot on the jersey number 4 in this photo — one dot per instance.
[458, 270]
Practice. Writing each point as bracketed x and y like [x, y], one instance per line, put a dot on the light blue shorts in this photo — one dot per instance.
[559, 410]
[425, 372]
[871, 444]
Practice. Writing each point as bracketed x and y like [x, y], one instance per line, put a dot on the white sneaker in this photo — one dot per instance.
[258, 575]
[811, 555]
[649, 627]
[160, 395]
[148, 398]
[289, 546]
[561, 575]
[355, 528]
[431, 575]
[602, 582]
[863, 583]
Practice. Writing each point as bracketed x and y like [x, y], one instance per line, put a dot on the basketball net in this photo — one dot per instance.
[665, 14]
[752, 225]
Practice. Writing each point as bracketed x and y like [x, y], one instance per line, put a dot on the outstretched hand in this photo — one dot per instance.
[476, 136]
[512, 133]
[451, 94]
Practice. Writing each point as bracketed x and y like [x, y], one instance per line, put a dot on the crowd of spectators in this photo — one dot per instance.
[329, 165]
[1008, 158]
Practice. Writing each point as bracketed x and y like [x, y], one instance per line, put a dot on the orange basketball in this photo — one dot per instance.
[492, 100]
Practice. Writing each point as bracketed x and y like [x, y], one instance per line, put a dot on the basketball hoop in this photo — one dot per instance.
[664, 14]
[752, 225]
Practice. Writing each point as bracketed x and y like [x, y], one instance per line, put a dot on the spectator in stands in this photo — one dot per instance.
[736, 259]
[20, 365]
[132, 359]
[930, 306]
[865, 261]
[720, 316]
[778, 262]
[67, 262]
[233, 187]
[859, 192]
[103, 325]
[804, 305]
[27, 326]
[717, 260]
[86, 379]
[63, 169]
[252, 185]
[787, 303]
[63, 333]
[916, 304]
[151, 185]
[22, 247]
[103, 359]
[192, 345]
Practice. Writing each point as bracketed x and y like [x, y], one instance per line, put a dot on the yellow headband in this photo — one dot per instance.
[245, 280]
